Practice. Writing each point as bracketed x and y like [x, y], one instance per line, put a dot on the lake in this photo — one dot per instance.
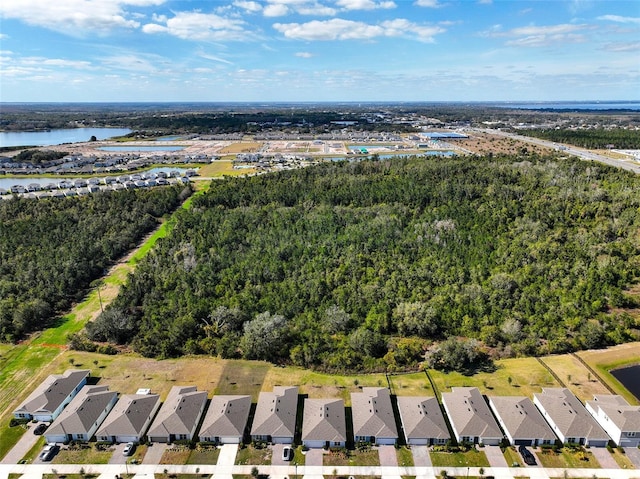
[57, 137]
[630, 379]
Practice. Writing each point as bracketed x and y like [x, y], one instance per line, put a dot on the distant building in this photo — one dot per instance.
[522, 423]
[422, 420]
[226, 419]
[179, 415]
[470, 416]
[323, 423]
[129, 420]
[568, 418]
[616, 416]
[275, 417]
[50, 398]
[84, 414]
[373, 418]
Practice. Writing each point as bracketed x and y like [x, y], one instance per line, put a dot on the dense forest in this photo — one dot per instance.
[361, 266]
[51, 249]
[600, 138]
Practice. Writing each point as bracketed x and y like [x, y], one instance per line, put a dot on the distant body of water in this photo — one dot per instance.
[141, 148]
[632, 105]
[57, 137]
[630, 379]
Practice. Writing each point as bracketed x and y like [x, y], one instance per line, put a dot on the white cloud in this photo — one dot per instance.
[276, 10]
[201, 27]
[280, 8]
[249, 6]
[427, 3]
[304, 55]
[539, 36]
[340, 29]
[365, 4]
[75, 17]
[3, 36]
[623, 47]
[215, 58]
[620, 19]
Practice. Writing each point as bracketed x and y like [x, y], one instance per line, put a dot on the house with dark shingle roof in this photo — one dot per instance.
[521, 422]
[80, 420]
[470, 417]
[129, 420]
[422, 420]
[323, 423]
[373, 418]
[568, 418]
[275, 417]
[616, 416]
[226, 419]
[50, 398]
[179, 415]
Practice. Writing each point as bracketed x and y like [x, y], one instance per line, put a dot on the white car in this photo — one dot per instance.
[287, 453]
[49, 451]
[128, 449]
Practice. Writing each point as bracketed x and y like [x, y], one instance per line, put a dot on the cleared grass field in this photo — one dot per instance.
[221, 168]
[575, 376]
[241, 147]
[527, 375]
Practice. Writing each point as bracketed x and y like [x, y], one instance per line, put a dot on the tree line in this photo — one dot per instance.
[596, 138]
[52, 249]
[362, 266]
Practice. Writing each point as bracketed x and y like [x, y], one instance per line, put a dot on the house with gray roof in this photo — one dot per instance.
[49, 399]
[226, 419]
[568, 418]
[616, 416]
[275, 417]
[323, 423]
[521, 422]
[422, 420]
[373, 417]
[81, 418]
[179, 415]
[470, 417]
[129, 419]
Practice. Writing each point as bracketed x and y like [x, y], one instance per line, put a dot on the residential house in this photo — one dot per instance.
[568, 418]
[373, 418]
[49, 399]
[179, 415]
[323, 423]
[275, 417]
[521, 422]
[422, 420]
[470, 417]
[226, 419]
[80, 420]
[617, 417]
[130, 418]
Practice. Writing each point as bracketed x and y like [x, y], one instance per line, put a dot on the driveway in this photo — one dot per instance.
[604, 457]
[227, 456]
[154, 453]
[22, 447]
[495, 456]
[421, 456]
[276, 456]
[633, 453]
[118, 457]
[313, 457]
[387, 455]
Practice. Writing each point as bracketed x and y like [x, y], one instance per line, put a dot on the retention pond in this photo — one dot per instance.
[630, 379]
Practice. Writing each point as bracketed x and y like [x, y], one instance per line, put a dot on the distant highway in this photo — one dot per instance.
[629, 165]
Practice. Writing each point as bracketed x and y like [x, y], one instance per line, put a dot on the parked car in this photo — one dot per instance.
[49, 451]
[287, 453]
[528, 457]
[129, 448]
[40, 429]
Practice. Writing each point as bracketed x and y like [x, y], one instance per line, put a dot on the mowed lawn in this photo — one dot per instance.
[512, 377]
[575, 376]
[221, 168]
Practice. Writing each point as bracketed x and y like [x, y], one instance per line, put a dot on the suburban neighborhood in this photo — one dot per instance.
[78, 411]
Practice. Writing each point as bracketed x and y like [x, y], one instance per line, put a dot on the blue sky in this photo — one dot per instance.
[319, 50]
